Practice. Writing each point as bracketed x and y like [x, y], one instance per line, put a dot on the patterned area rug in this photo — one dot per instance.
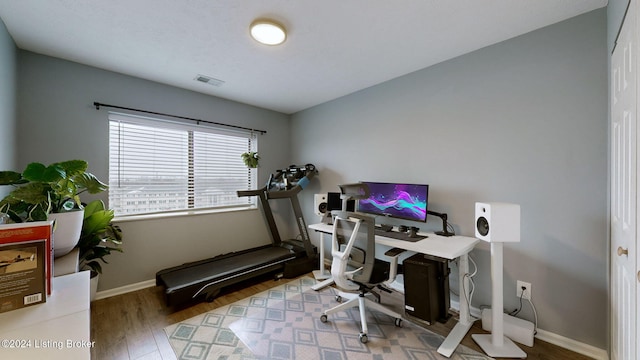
[284, 323]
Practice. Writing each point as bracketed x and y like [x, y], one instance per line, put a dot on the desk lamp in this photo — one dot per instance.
[497, 223]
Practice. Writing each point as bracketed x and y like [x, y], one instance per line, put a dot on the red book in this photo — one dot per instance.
[30, 231]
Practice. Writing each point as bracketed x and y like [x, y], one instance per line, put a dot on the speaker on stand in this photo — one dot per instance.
[497, 223]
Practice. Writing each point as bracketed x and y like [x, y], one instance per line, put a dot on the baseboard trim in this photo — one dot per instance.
[573, 345]
[125, 289]
[552, 338]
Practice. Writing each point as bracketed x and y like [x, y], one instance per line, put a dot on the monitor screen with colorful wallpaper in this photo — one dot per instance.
[397, 200]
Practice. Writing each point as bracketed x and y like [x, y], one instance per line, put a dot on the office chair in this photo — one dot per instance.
[355, 268]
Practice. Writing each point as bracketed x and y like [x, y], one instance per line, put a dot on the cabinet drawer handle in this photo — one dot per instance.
[622, 251]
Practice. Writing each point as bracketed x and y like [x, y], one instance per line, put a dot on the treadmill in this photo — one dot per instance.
[203, 280]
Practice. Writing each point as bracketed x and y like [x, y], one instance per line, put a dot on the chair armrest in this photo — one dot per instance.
[393, 254]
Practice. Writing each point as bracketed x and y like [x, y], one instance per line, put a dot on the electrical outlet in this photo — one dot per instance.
[523, 289]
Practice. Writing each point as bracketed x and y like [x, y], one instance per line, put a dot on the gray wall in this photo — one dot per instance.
[57, 121]
[523, 121]
[8, 56]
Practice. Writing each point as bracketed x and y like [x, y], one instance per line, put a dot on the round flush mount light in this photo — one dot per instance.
[268, 32]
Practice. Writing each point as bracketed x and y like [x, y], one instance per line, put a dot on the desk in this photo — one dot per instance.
[441, 246]
[57, 329]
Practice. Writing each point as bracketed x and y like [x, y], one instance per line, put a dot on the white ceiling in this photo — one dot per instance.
[334, 47]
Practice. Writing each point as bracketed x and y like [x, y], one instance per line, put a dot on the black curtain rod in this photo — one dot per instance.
[98, 105]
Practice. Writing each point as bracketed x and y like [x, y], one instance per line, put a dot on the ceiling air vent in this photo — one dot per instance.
[209, 80]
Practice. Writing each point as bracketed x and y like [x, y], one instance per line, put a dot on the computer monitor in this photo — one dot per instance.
[397, 200]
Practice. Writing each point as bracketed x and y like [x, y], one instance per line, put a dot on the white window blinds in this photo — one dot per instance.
[160, 166]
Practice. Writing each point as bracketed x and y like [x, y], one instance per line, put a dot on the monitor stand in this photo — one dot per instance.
[445, 229]
[327, 218]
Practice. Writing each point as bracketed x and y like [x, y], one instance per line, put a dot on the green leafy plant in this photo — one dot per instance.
[251, 159]
[40, 190]
[99, 236]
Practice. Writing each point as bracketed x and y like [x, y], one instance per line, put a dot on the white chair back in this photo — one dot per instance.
[345, 227]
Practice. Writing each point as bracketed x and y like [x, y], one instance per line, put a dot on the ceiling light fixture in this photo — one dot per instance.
[268, 32]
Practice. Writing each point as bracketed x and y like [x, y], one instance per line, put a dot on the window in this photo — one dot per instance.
[162, 166]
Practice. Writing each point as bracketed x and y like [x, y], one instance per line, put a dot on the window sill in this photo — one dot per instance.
[175, 214]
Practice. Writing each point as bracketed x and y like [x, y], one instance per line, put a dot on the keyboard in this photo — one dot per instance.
[399, 235]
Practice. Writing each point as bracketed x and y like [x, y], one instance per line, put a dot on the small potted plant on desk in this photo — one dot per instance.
[51, 193]
[99, 237]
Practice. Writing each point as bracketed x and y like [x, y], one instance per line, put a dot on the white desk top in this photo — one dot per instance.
[448, 247]
[57, 329]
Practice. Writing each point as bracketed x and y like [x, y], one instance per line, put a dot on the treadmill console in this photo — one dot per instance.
[294, 175]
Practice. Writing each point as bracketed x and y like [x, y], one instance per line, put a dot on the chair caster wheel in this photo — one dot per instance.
[363, 338]
[339, 298]
[323, 318]
[398, 322]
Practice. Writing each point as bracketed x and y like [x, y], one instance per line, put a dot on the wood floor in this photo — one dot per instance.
[130, 326]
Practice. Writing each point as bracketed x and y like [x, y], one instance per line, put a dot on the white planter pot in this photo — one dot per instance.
[67, 231]
[94, 286]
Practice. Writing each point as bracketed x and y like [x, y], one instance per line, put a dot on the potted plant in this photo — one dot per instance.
[51, 193]
[251, 159]
[98, 238]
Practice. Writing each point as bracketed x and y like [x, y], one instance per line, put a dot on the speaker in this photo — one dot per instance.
[498, 222]
[320, 204]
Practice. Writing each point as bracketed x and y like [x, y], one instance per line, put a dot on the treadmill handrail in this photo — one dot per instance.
[284, 193]
[257, 192]
[281, 194]
[292, 194]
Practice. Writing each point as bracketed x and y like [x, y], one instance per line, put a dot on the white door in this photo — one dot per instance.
[623, 192]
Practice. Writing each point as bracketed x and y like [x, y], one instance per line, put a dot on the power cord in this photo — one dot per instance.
[517, 311]
[470, 276]
[464, 289]
[535, 315]
[512, 313]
